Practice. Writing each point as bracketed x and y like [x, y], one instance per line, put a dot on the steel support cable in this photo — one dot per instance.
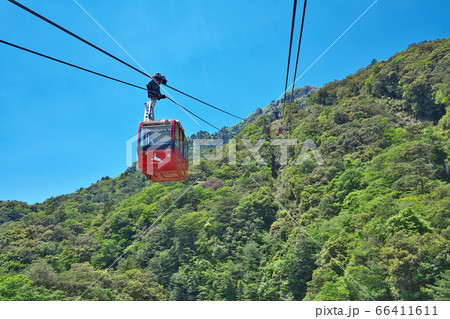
[74, 35]
[193, 113]
[298, 50]
[99, 74]
[69, 64]
[170, 87]
[107, 53]
[290, 49]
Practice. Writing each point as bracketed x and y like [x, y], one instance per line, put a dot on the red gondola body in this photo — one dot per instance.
[268, 129]
[162, 151]
[280, 130]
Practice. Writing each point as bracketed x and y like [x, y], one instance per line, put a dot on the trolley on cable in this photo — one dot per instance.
[162, 145]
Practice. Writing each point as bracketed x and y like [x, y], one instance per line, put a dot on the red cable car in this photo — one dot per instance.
[162, 151]
[268, 129]
[162, 146]
[280, 130]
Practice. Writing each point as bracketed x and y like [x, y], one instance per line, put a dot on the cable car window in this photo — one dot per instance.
[185, 147]
[156, 135]
[182, 143]
[177, 136]
[180, 138]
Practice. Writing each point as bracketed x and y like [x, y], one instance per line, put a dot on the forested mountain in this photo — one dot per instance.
[371, 223]
[274, 109]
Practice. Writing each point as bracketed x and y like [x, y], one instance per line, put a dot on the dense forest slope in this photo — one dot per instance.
[371, 223]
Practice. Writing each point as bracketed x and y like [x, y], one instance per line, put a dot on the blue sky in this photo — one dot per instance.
[61, 129]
